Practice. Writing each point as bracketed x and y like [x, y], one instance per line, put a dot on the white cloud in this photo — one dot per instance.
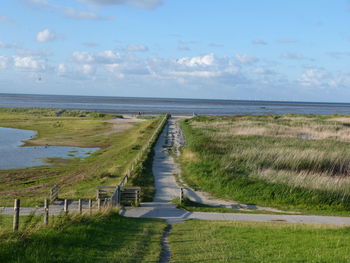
[145, 4]
[7, 45]
[38, 2]
[87, 69]
[81, 14]
[5, 19]
[321, 79]
[263, 71]
[197, 73]
[216, 45]
[46, 36]
[259, 42]
[116, 70]
[246, 59]
[29, 63]
[83, 57]
[61, 68]
[107, 57]
[104, 57]
[339, 55]
[183, 47]
[137, 48]
[68, 11]
[206, 60]
[313, 78]
[292, 55]
[3, 62]
[109, 54]
[129, 66]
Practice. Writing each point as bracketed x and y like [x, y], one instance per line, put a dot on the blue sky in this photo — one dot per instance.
[228, 49]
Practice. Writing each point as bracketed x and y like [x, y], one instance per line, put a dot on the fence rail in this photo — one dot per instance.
[54, 193]
[66, 207]
[142, 155]
[145, 150]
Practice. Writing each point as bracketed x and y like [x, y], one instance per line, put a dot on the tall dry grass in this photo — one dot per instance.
[299, 127]
[306, 155]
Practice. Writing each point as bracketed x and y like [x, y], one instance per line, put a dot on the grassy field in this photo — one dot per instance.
[295, 162]
[243, 242]
[102, 237]
[119, 142]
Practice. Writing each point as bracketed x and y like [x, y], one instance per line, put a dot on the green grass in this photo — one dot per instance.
[98, 238]
[78, 178]
[191, 206]
[262, 160]
[243, 242]
[27, 223]
[144, 178]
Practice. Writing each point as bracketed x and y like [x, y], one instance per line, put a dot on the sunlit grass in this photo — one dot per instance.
[297, 162]
[102, 237]
[205, 241]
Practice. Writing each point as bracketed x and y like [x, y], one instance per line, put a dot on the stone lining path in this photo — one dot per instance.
[167, 189]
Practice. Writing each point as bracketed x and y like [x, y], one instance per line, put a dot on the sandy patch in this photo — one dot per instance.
[121, 124]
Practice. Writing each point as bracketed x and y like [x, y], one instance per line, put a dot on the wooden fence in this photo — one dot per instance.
[65, 209]
[54, 193]
[132, 193]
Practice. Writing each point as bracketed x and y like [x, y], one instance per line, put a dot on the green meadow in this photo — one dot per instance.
[243, 242]
[102, 237]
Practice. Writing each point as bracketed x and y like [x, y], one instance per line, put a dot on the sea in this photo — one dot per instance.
[131, 105]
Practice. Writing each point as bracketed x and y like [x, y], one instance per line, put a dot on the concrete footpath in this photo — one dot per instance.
[167, 189]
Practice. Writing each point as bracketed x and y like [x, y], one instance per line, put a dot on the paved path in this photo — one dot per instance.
[167, 189]
[164, 167]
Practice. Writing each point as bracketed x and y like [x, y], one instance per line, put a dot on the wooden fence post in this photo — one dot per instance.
[181, 195]
[65, 207]
[90, 206]
[137, 198]
[16, 214]
[46, 212]
[54, 193]
[80, 206]
[99, 204]
[118, 195]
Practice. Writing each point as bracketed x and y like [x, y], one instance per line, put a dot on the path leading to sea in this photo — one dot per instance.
[167, 189]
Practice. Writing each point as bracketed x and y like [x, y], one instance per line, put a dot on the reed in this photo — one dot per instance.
[291, 161]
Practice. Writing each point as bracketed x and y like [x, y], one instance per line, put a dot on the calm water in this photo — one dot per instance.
[173, 106]
[13, 156]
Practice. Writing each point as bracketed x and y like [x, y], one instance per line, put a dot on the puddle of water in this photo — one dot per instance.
[13, 156]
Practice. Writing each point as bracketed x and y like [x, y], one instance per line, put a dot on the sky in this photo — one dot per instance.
[290, 50]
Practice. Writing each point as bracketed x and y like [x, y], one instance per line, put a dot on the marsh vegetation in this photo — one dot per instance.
[118, 139]
[289, 161]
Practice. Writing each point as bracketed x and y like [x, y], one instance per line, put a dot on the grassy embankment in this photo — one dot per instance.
[243, 242]
[105, 237]
[293, 162]
[119, 143]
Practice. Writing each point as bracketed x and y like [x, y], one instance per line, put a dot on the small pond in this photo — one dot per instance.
[13, 156]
